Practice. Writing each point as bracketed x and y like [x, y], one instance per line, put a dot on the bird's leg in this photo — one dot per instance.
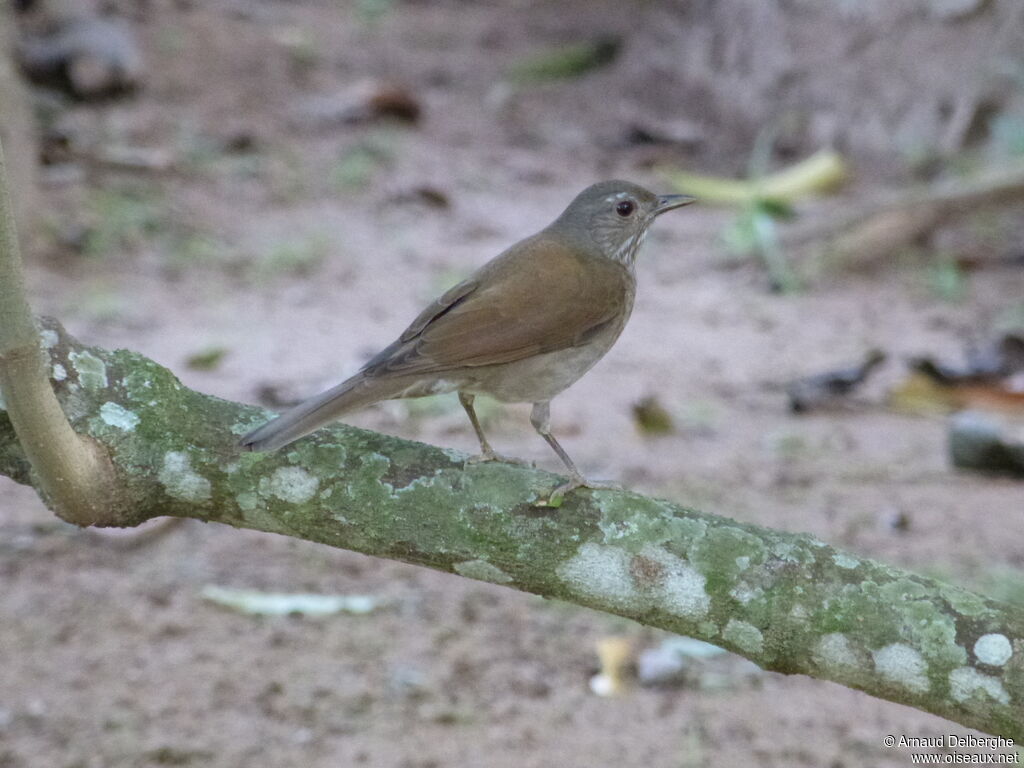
[540, 417]
[486, 452]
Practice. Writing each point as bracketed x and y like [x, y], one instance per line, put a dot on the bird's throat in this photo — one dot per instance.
[626, 253]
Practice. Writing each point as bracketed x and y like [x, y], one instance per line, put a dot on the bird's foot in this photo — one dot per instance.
[557, 496]
[488, 455]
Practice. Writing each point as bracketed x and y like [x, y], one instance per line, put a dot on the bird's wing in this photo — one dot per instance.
[532, 299]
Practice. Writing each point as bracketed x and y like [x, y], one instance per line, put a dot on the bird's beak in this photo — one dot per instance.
[668, 202]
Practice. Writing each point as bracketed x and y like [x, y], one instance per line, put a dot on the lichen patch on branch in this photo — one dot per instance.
[993, 649]
[652, 580]
[92, 372]
[481, 570]
[48, 338]
[180, 480]
[904, 666]
[118, 416]
[292, 484]
[834, 651]
[744, 635]
[966, 683]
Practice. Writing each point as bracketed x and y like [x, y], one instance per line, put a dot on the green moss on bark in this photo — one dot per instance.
[788, 602]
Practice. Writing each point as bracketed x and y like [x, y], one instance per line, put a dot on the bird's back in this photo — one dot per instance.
[541, 295]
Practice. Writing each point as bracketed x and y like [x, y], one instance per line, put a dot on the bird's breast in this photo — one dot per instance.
[543, 376]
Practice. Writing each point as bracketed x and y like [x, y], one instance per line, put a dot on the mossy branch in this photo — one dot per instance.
[117, 440]
[788, 602]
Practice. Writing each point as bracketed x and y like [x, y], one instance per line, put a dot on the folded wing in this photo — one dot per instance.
[534, 298]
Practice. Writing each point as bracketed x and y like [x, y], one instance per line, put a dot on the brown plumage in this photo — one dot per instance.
[536, 297]
[522, 328]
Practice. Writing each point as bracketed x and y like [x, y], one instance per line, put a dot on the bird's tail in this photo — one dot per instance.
[317, 411]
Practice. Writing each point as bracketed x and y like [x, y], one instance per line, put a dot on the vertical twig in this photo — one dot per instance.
[74, 472]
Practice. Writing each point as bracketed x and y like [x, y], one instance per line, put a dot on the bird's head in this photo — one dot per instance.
[615, 215]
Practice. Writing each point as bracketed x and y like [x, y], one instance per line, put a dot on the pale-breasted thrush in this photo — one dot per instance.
[522, 328]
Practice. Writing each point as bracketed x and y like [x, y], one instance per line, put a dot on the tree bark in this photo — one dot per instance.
[788, 602]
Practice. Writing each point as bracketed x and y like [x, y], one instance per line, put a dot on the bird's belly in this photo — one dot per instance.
[541, 377]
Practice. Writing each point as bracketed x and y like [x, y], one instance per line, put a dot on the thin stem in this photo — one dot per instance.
[73, 471]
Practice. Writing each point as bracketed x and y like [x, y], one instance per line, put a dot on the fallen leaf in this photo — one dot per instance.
[986, 442]
[287, 604]
[822, 172]
[91, 57]
[987, 363]
[571, 60]
[651, 417]
[992, 378]
[364, 102]
[426, 194]
[206, 359]
[811, 392]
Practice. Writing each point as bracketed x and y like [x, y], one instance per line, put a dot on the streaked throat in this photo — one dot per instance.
[626, 253]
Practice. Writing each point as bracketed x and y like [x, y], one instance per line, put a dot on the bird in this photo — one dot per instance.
[522, 328]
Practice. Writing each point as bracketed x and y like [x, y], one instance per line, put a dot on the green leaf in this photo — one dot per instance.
[567, 61]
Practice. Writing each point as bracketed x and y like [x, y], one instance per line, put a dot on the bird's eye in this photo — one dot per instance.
[625, 208]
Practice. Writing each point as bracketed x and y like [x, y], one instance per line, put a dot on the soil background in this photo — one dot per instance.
[299, 244]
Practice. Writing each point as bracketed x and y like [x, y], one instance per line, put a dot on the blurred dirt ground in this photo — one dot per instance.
[298, 245]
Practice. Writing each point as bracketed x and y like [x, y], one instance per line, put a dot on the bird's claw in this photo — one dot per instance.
[489, 456]
[557, 496]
